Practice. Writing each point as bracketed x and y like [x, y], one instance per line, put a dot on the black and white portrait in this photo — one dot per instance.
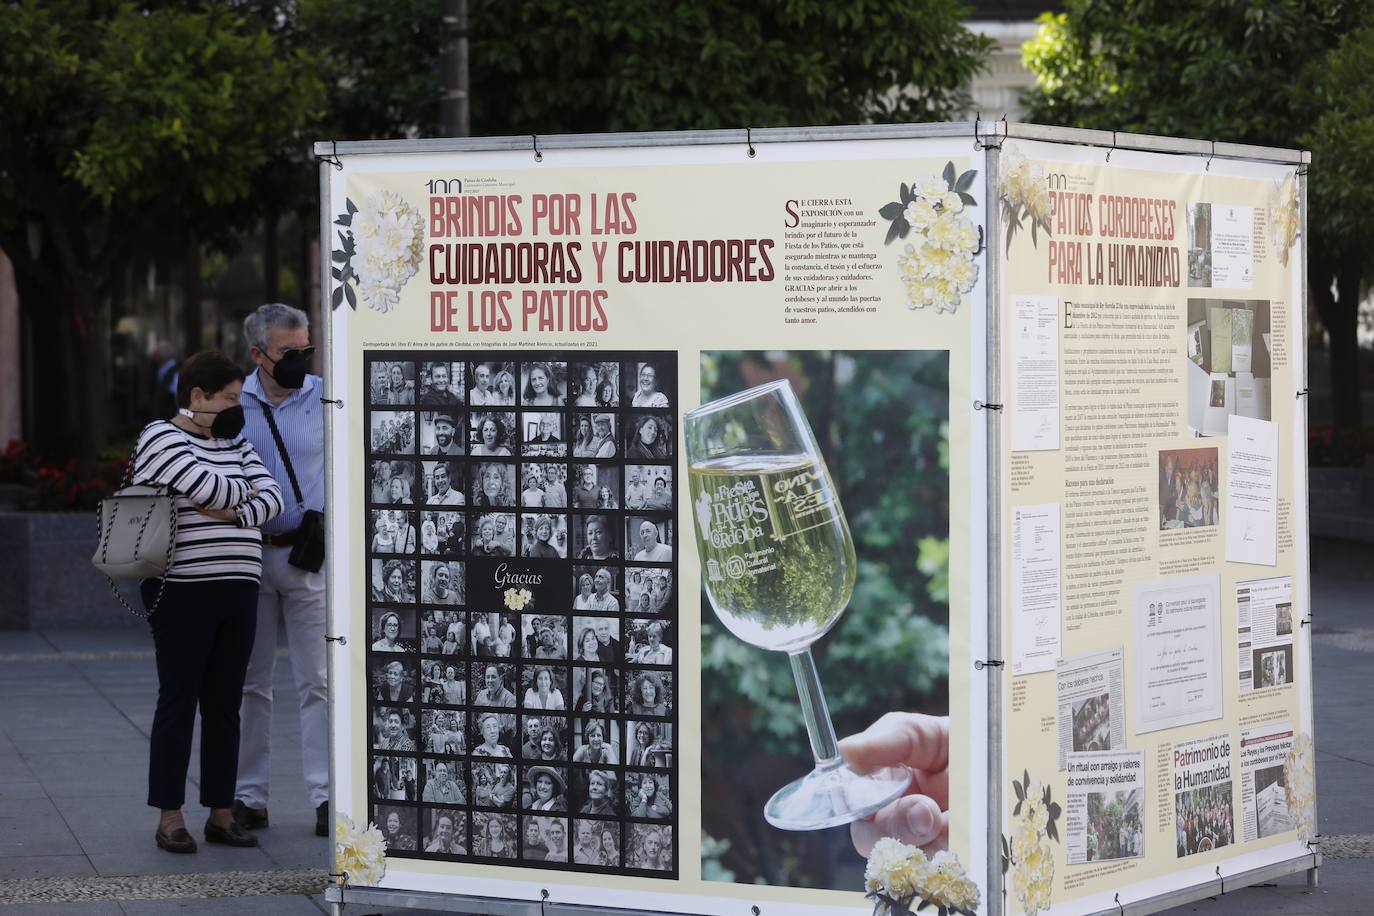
[544, 536]
[597, 842]
[649, 744]
[392, 680]
[649, 641]
[393, 630]
[594, 691]
[594, 384]
[393, 384]
[394, 779]
[393, 581]
[544, 637]
[392, 432]
[648, 796]
[596, 740]
[440, 433]
[649, 847]
[441, 385]
[442, 533]
[444, 731]
[442, 582]
[443, 483]
[493, 535]
[493, 484]
[445, 782]
[491, 434]
[542, 435]
[393, 728]
[594, 435]
[648, 590]
[545, 737]
[393, 531]
[545, 838]
[393, 482]
[493, 835]
[596, 588]
[649, 539]
[543, 384]
[649, 486]
[397, 822]
[447, 831]
[648, 693]
[595, 537]
[493, 385]
[493, 685]
[649, 386]
[649, 438]
[595, 486]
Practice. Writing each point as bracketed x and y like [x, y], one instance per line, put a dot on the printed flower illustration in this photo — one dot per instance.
[900, 880]
[361, 854]
[516, 599]
[1028, 854]
[1298, 786]
[381, 247]
[1283, 216]
[1024, 193]
[937, 266]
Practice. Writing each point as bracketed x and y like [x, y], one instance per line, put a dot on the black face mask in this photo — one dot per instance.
[290, 370]
[227, 424]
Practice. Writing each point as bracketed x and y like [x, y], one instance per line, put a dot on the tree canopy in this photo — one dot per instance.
[1281, 73]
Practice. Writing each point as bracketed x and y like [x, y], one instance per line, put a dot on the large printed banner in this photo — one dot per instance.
[1153, 497]
[534, 694]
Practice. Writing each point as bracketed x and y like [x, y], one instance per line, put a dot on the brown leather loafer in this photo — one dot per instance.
[233, 835]
[178, 840]
[249, 818]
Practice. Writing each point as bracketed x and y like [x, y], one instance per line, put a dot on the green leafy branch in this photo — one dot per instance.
[343, 260]
[895, 211]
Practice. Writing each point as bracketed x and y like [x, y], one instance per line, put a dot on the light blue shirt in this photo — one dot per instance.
[300, 420]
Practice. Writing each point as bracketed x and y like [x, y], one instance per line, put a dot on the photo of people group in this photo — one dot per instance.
[1203, 819]
[1114, 829]
[526, 725]
[1188, 492]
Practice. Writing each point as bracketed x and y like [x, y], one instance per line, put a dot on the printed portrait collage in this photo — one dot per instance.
[522, 607]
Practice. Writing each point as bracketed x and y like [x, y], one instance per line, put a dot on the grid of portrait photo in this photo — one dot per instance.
[523, 624]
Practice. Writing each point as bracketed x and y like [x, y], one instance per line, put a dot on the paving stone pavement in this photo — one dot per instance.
[76, 837]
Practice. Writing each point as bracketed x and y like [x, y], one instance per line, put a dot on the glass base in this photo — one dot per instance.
[834, 794]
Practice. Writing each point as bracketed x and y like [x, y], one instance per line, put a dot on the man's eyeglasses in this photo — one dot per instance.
[296, 353]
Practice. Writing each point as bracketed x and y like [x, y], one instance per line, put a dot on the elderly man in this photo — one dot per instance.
[443, 788]
[284, 420]
[394, 738]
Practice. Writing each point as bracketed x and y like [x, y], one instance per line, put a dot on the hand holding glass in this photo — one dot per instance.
[778, 564]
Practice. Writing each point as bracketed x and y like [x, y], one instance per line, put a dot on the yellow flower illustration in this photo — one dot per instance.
[1284, 219]
[898, 875]
[1298, 786]
[360, 854]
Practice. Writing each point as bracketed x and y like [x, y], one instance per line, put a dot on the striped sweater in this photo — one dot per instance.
[212, 474]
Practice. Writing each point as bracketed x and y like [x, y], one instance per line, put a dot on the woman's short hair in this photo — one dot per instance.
[210, 371]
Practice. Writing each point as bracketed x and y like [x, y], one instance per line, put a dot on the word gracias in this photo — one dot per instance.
[563, 264]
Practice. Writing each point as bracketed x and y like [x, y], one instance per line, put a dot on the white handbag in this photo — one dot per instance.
[137, 536]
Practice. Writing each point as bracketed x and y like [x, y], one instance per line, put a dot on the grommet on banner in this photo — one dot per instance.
[755, 910]
[538, 156]
[979, 405]
[333, 157]
[341, 640]
[1113, 149]
[337, 404]
[979, 664]
[543, 899]
[749, 141]
[1222, 879]
[1301, 393]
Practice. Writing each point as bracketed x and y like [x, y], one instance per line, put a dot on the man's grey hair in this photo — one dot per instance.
[258, 326]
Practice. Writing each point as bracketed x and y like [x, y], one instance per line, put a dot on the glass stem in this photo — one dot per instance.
[814, 711]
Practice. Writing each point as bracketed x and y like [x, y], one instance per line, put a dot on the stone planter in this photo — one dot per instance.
[48, 580]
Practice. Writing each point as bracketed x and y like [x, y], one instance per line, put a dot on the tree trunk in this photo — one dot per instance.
[1340, 316]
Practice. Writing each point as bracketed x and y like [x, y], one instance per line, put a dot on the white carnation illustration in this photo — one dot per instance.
[1028, 855]
[1024, 194]
[381, 246]
[937, 266]
[360, 854]
[1284, 222]
[1299, 786]
[900, 880]
[516, 599]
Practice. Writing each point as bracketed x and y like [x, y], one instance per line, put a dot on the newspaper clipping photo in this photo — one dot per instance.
[1106, 794]
[1263, 799]
[1091, 708]
[1203, 808]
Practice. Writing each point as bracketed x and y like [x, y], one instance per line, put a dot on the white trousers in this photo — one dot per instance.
[298, 597]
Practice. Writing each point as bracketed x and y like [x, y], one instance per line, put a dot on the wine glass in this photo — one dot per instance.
[778, 563]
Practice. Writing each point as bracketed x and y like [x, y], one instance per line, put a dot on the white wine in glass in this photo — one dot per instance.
[778, 565]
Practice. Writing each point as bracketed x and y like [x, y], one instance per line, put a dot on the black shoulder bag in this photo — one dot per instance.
[307, 542]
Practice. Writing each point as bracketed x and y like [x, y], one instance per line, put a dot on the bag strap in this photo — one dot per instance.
[102, 535]
[281, 450]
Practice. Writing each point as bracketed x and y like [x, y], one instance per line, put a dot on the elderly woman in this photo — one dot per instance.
[646, 392]
[601, 787]
[650, 548]
[203, 613]
[489, 726]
